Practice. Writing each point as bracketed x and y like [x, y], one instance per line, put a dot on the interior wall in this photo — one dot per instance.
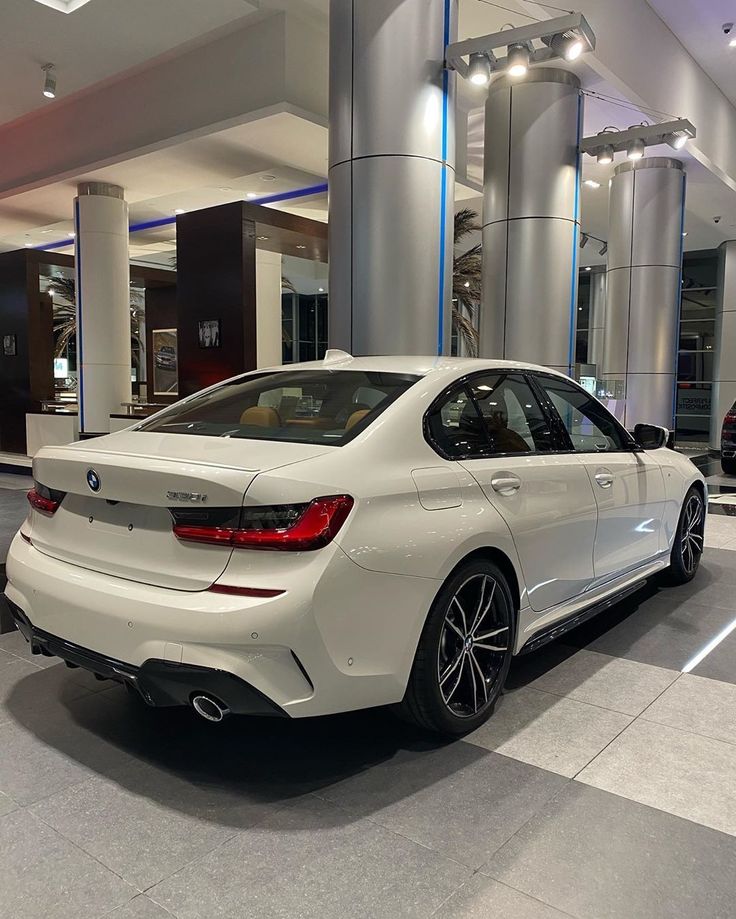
[268, 308]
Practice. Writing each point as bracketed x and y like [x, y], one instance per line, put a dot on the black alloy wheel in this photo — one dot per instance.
[687, 549]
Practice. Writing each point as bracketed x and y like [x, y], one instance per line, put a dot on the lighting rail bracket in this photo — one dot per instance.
[650, 134]
[456, 53]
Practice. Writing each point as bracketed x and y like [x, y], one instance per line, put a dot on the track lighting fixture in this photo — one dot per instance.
[568, 46]
[49, 83]
[677, 141]
[518, 60]
[635, 150]
[479, 69]
[605, 155]
[583, 240]
[603, 249]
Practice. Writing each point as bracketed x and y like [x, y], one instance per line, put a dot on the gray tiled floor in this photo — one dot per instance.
[601, 789]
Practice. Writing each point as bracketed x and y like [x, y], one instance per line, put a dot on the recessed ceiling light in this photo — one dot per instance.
[263, 237]
[71, 233]
[224, 188]
[321, 290]
[268, 177]
[684, 232]
[732, 43]
[28, 244]
[591, 183]
[301, 247]
[63, 6]
[179, 210]
[587, 268]
[251, 194]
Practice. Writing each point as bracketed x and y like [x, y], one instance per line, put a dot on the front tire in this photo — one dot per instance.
[464, 652]
[728, 465]
[687, 549]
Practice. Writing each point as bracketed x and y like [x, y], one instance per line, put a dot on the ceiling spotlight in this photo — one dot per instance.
[603, 249]
[568, 46]
[479, 69]
[684, 233]
[321, 290]
[49, 83]
[518, 60]
[588, 268]
[251, 194]
[605, 155]
[583, 240]
[179, 210]
[635, 150]
[591, 183]
[677, 141]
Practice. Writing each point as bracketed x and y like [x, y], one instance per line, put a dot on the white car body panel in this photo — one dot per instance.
[351, 612]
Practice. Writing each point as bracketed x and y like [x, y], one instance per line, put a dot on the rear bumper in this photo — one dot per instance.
[160, 683]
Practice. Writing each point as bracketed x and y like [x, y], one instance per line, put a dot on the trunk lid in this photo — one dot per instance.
[125, 528]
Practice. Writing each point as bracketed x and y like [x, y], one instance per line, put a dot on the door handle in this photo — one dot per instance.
[506, 484]
[604, 479]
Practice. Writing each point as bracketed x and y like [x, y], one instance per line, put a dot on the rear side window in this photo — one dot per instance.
[494, 414]
[301, 406]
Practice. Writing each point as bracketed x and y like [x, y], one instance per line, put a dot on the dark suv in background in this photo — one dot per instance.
[728, 442]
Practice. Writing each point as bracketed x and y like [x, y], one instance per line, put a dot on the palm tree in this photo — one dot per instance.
[466, 282]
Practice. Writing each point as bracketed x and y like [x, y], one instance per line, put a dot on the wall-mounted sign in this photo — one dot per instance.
[61, 368]
[165, 362]
[10, 345]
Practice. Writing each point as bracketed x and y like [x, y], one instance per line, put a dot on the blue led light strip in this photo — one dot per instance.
[169, 221]
[443, 189]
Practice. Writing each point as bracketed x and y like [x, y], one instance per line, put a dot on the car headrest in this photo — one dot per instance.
[356, 417]
[262, 416]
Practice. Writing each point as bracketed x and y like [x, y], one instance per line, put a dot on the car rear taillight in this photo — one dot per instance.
[46, 500]
[289, 527]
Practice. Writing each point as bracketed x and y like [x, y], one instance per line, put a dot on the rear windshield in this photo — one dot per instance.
[301, 406]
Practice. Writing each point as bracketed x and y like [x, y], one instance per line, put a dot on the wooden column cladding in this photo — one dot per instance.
[26, 378]
[216, 280]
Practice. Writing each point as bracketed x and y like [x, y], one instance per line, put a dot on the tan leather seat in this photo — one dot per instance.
[356, 417]
[262, 416]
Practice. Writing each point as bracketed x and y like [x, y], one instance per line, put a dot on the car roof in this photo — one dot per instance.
[420, 365]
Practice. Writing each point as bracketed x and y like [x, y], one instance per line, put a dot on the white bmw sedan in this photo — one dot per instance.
[356, 532]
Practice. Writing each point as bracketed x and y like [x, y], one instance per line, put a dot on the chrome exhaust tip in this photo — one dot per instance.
[208, 708]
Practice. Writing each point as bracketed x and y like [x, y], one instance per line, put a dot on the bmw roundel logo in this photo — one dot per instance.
[93, 480]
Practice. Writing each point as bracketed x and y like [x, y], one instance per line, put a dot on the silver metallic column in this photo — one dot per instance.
[391, 175]
[597, 319]
[103, 304]
[646, 209]
[724, 359]
[531, 201]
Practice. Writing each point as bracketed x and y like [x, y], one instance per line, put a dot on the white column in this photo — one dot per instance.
[391, 173]
[103, 304]
[724, 361]
[268, 308]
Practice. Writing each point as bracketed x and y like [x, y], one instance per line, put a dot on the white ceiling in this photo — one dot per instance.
[97, 41]
[697, 24]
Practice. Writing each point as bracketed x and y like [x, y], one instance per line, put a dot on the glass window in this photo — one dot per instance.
[514, 420]
[591, 427]
[301, 406]
[494, 414]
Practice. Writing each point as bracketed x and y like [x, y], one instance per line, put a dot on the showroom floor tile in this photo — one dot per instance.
[603, 788]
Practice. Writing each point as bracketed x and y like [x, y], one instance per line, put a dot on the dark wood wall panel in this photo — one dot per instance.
[216, 279]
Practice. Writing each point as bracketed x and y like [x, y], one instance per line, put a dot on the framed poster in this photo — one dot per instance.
[165, 362]
[10, 345]
[209, 333]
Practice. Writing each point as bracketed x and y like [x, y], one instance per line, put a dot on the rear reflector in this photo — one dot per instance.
[45, 500]
[244, 591]
[310, 526]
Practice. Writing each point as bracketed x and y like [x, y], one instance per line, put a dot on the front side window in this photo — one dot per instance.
[591, 427]
[301, 406]
[493, 414]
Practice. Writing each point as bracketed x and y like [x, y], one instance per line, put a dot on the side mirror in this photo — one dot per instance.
[650, 436]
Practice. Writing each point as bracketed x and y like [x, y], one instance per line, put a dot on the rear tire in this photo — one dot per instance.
[728, 465]
[464, 652]
[687, 549]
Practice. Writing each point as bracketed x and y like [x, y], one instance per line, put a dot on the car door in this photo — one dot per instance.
[504, 438]
[627, 482]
